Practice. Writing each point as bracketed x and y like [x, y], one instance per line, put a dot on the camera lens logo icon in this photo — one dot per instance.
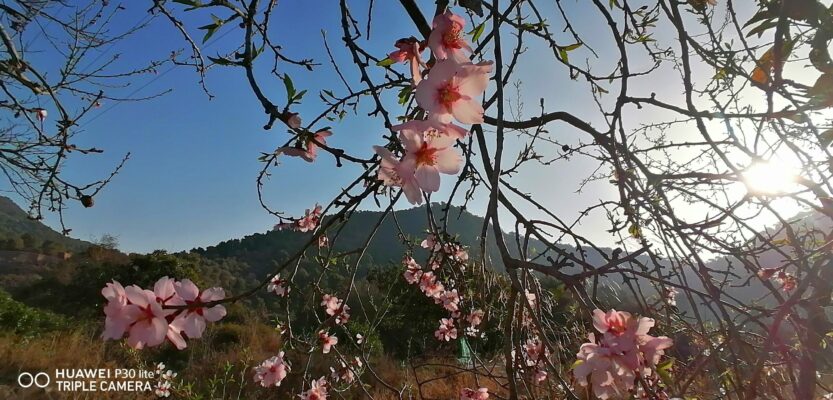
[26, 379]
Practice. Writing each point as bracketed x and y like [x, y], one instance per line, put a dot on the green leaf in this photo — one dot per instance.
[477, 31]
[290, 88]
[404, 95]
[299, 96]
[635, 231]
[221, 61]
[211, 28]
[385, 63]
[664, 371]
[564, 56]
[573, 47]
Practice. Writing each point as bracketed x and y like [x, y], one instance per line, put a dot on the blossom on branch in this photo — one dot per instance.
[452, 90]
[431, 155]
[622, 352]
[272, 371]
[446, 41]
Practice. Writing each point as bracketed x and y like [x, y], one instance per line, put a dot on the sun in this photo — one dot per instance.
[769, 178]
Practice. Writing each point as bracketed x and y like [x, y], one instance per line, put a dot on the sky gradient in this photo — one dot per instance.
[190, 181]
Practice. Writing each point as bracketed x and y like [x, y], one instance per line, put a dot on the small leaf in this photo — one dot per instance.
[405, 94]
[573, 47]
[664, 371]
[221, 61]
[477, 31]
[564, 56]
[635, 231]
[299, 96]
[211, 28]
[290, 88]
[385, 63]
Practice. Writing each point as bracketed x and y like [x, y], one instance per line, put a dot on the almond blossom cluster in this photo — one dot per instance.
[272, 371]
[317, 390]
[471, 394]
[345, 372]
[623, 351]
[307, 147]
[787, 280]
[335, 307]
[147, 317]
[450, 92]
[535, 356]
[433, 288]
[278, 286]
[310, 221]
[164, 382]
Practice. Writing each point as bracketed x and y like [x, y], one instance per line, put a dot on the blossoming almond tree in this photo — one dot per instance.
[670, 106]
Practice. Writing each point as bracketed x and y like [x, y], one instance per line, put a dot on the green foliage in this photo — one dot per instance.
[20, 319]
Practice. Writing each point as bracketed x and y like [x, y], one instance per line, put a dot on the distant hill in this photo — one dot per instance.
[261, 249]
[15, 222]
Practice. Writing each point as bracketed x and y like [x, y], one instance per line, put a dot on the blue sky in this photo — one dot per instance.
[191, 178]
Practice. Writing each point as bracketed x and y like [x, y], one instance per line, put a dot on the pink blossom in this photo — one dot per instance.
[192, 320]
[40, 113]
[410, 50]
[452, 90]
[610, 379]
[312, 144]
[430, 286]
[293, 120]
[432, 128]
[331, 304]
[119, 314]
[767, 273]
[670, 296]
[317, 390]
[278, 286]
[310, 221]
[458, 253]
[323, 241]
[430, 242]
[327, 341]
[475, 317]
[148, 326]
[787, 281]
[431, 155]
[272, 371]
[624, 349]
[162, 389]
[471, 394]
[413, 271]
[393, 172]
[653, 348]
[534, 349]
[540, 375]
[446, 331]
[345, 372]
[450, 300]
[446, 39]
